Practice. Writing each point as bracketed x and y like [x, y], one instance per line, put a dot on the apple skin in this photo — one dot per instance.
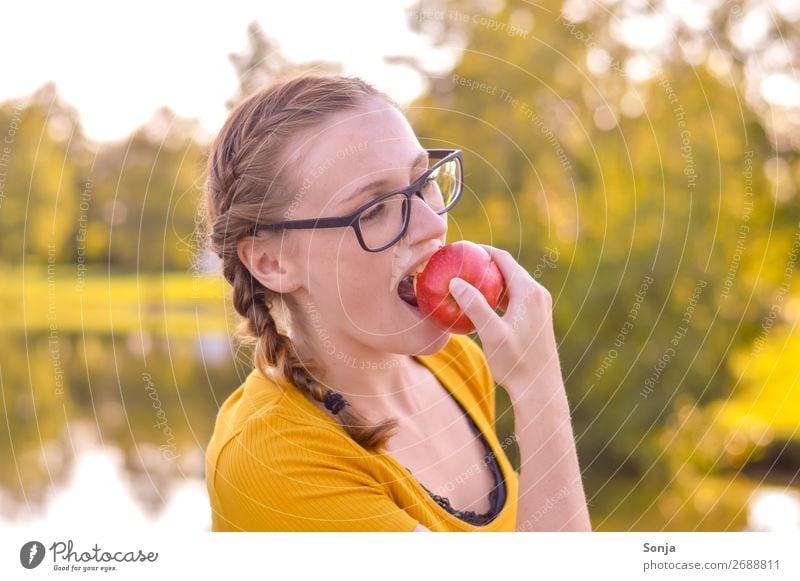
[465, 260]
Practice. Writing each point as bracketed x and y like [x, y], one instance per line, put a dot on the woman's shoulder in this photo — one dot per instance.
[282, 471]
[257, 396]
[283, 435]
[266, 411]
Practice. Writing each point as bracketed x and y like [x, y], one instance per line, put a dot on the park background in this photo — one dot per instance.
[640, 159]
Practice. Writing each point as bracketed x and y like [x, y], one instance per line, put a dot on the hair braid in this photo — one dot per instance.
[246, 184]
[273, 349]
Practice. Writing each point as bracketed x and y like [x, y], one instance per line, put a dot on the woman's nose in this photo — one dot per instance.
[424, 223]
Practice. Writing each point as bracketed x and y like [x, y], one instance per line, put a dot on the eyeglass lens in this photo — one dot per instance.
[382, 223]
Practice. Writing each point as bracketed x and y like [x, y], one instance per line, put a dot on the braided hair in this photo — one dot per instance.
[246, 182]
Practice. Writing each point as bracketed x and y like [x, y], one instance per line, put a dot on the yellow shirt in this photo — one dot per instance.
[276, 462]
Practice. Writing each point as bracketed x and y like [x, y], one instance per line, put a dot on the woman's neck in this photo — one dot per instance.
[377, 384]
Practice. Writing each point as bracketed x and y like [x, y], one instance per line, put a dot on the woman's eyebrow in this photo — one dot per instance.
[418, 161]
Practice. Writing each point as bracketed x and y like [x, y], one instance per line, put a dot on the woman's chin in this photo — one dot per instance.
[422, 328]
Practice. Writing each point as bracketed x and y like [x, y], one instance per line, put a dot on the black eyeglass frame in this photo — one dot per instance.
[351, 220]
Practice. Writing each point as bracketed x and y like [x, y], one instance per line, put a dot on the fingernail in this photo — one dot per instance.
[457, 286]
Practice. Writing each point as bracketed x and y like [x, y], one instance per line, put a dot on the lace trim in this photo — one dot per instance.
[470, 516]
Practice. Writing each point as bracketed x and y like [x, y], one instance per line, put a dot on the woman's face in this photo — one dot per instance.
[345, 291]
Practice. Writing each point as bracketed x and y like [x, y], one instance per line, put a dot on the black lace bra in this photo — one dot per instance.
[497, 497]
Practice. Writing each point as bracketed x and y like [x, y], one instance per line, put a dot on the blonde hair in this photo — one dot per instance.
[246, 182]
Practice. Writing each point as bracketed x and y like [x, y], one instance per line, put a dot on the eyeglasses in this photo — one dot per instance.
[383, 221]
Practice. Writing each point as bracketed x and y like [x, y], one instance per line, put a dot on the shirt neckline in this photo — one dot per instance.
[424, 360]
[499, 492]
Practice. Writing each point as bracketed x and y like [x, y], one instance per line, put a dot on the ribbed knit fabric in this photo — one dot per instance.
[276, 462]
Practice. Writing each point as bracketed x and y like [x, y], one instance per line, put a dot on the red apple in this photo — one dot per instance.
[464, 260]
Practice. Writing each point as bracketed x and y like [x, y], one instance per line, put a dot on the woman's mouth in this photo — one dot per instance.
[406, 290]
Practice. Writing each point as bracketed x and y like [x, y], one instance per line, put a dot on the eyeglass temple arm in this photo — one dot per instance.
[310, 223]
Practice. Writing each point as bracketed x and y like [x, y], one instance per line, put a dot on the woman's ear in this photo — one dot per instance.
[274, 270]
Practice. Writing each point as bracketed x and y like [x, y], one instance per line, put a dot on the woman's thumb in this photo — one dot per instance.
[459, 289]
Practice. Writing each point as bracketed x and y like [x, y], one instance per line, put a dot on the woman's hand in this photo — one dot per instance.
[520, 345]
[520, 348]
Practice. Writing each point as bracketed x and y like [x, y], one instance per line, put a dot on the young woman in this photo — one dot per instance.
[360, 414]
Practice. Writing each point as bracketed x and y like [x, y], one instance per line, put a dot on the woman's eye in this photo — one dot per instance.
[426, 184]
[374, 213]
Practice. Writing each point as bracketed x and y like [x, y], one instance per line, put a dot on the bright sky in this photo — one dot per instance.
[117, 62]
